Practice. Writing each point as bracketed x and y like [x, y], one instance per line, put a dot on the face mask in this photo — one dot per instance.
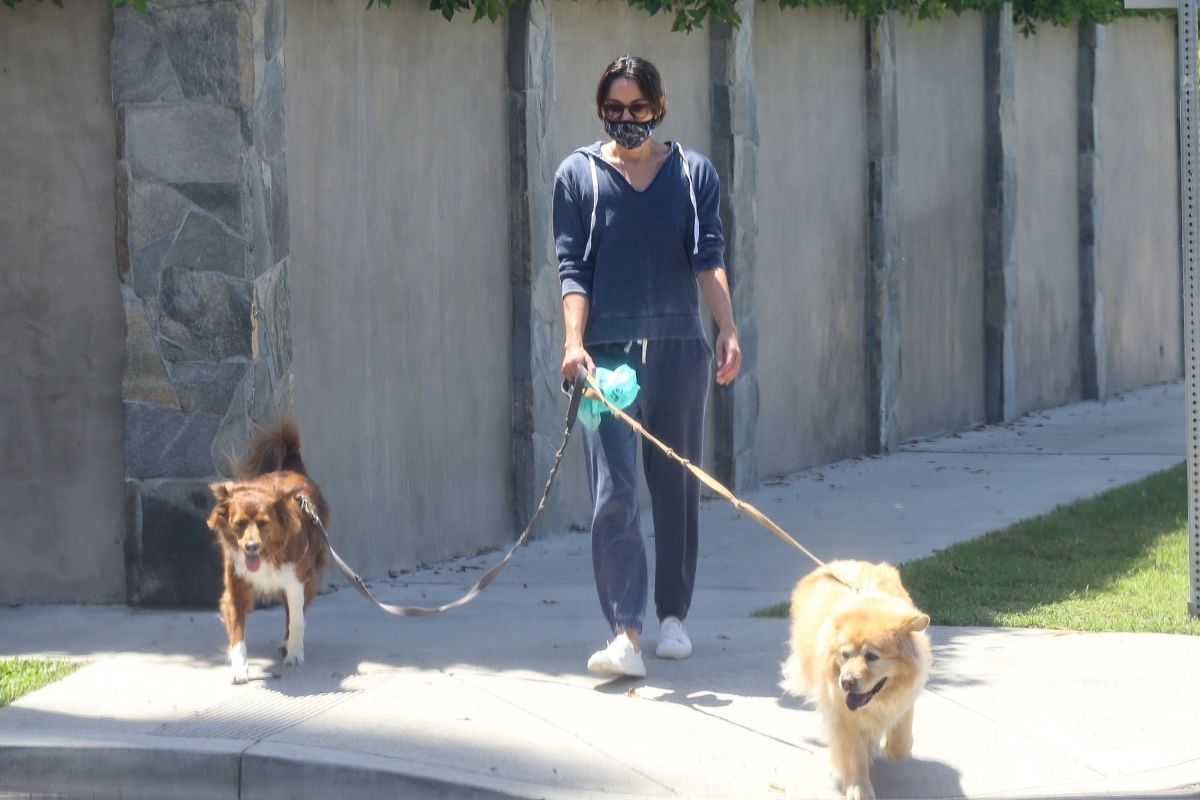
[630, 135]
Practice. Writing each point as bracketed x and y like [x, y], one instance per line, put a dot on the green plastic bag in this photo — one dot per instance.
[619, 385]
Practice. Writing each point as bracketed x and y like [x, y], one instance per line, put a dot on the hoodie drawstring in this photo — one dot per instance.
[687, 171]
[587, 250]
[692, 194]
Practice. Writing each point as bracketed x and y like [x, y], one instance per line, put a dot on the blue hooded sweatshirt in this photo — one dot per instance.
[635, 255]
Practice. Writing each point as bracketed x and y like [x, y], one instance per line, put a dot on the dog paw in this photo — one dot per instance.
[860, 791]
[237, 660]
[294, 658]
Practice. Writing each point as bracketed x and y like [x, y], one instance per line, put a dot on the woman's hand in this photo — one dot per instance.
[574, 357]
[715, 285]
[575, 314]
[729, 356]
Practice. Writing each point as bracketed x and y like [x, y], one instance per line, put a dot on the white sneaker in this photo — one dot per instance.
[620, 657]
[673, 641]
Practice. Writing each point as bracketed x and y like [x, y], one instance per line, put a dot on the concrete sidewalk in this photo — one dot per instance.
[493, 699]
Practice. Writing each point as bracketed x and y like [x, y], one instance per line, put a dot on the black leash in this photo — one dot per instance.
[490, 575]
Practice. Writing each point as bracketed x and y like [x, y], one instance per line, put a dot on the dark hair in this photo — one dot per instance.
[643, 73]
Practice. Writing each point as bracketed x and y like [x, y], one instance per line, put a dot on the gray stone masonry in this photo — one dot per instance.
[537, 332]
[1000, 215]
[1091, 294]
[735, 155]
[882, 308]
[202, 244]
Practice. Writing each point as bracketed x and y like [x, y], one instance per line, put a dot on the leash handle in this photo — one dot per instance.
[421, 611]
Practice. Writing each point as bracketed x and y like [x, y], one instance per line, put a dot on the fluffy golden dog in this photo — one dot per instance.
[272, 549]
[860, 651]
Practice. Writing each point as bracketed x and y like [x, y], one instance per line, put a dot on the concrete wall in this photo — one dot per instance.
[61, 320]
[1138, 266]
[397, 161]
[1046, 328]
[812, 244]
[939, 90]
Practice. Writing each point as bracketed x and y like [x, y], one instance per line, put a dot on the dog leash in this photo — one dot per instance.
[585, 385]
[593, 392]
[420, 611]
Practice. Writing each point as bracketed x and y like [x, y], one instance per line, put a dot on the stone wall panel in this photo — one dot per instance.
[174, 560]
[204, 314]
[184, 142]
[203, 243]
[145, 378]
[154, 211]
[268, 112]
[224, 201]
[209, 49]
[277, 208]
[141, 69]
[202, 196]
[147, 265]
[207, 387]
[164, 442]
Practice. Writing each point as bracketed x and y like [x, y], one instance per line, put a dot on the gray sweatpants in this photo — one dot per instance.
[674, 388]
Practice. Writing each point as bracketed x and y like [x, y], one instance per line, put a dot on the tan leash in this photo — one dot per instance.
[593, 391]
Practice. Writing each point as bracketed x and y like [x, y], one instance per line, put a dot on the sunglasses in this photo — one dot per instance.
[640, 110]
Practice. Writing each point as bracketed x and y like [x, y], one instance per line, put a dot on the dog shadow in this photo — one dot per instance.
[296, 683]
[915, 779]
[910, 779]
[795, 702]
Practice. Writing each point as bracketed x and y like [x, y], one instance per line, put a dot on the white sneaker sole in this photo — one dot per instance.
[673, 650]
[601, 665]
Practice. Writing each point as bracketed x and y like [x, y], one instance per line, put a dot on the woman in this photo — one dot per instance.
[636, 227]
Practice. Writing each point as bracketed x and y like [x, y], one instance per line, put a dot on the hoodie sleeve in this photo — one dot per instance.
[571, 223]
[709, 251]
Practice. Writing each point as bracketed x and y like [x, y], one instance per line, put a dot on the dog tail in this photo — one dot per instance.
[275, 448]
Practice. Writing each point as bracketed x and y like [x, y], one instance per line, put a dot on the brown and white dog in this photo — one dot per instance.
[272, 549]
[861, 652]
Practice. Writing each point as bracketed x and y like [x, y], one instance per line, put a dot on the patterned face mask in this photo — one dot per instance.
[630, 135]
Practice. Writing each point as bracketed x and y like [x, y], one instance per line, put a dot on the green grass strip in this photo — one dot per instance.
[1115, 562]
[20, 676]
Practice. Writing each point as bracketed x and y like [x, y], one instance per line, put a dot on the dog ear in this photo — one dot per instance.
[287, 506]
[915, 623]
[221, 490]
[291, 496]
[220, 513]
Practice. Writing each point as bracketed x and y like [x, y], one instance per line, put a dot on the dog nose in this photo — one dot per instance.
[848, 683]
[252, 547]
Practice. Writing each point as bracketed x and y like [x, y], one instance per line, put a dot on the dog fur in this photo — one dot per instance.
[860, 651]
[271, 548]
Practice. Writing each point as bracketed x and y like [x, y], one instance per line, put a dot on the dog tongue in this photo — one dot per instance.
[857, 701]
[253, 562]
